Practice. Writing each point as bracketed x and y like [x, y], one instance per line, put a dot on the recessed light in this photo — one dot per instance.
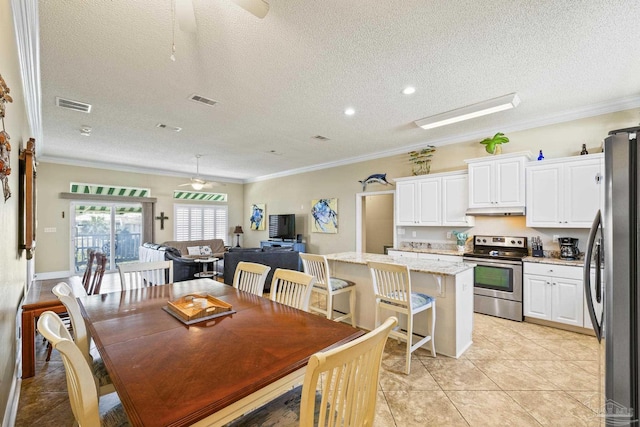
[408, 90]
[349, 111]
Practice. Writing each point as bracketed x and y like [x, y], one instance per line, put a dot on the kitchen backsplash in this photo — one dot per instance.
[421, 237]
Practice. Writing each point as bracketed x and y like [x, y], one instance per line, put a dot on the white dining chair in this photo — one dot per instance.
[140, 274]
[250, 277]
[340, 387]
[392, 291]
[81, 386]
[82, 338]
[292, 288]
[328, 287]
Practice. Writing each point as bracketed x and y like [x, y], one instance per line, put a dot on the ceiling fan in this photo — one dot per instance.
[198, 183]
[187, 19]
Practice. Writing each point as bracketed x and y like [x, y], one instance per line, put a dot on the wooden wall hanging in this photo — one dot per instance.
[28, 198]
[5, 146]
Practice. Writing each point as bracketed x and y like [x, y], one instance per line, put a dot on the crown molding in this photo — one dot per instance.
[551, 119]
[133, 169]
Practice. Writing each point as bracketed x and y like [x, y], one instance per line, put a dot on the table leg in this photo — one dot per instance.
[28, 344]
[29, 318]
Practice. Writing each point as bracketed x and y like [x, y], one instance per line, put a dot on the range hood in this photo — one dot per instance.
[497, 211]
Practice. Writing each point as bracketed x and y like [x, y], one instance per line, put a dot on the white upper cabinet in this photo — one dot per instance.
[565, 192]
[498, 181]
[455, 200]
[433, 200]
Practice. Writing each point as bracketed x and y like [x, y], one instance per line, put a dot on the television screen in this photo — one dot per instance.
[282, 226]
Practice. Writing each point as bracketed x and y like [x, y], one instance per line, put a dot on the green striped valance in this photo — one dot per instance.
[109, 190]
[201, 197]
[119, 209]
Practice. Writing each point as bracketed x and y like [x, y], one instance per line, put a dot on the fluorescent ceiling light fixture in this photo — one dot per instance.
[349, 111]
[408, 90]
[470, 112]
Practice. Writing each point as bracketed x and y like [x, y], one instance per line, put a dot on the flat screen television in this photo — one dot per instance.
[282, 226]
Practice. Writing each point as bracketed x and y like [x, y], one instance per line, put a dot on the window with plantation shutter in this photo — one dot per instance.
[197, 222]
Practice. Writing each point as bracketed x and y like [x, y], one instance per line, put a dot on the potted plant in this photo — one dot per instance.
[493, 145]
[421, 160]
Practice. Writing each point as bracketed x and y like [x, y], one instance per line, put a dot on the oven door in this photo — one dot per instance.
[497, 278]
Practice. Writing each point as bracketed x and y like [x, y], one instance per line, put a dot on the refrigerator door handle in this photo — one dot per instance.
[597, 325]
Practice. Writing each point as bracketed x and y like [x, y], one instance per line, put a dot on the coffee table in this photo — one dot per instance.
[206, 273]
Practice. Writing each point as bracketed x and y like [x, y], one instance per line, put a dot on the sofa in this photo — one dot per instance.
[273, 257]
[183, 254]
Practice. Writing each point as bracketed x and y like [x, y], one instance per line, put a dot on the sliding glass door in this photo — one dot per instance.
[114, 229]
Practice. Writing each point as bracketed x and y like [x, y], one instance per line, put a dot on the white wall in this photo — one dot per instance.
[12, 260]
[293, 194]
[53, 212]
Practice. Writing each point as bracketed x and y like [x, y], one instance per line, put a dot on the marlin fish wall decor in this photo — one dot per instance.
[380, 178]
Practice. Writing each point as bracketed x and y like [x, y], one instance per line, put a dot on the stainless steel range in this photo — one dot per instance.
[497, 284]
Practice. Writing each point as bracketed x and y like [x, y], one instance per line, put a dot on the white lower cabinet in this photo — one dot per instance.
[554, 292]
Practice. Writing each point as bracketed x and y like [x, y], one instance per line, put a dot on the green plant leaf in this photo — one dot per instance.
[491, 147]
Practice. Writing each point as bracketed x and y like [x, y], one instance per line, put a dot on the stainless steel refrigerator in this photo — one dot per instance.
[611, 278]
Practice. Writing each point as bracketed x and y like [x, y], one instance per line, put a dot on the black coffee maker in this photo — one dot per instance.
[569, 248]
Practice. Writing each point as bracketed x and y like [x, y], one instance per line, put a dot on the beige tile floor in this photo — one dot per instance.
[515, 374]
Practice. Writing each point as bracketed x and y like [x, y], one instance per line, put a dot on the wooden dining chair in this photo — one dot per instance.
[328, 287]
[81, 386]
[250, 277]
[81, 337]
[392, 290]
[292, 288]
[340, 387]
[92, 286]
[96, 280]
[86, 277]
[140, 274]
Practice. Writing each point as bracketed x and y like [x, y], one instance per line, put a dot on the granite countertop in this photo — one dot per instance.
[438, 251]
[556, 261]
[443, 268]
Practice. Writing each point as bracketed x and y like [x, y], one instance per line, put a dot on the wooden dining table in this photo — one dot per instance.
[168, 373]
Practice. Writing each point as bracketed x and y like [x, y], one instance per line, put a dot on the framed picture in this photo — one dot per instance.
[258, 214]
[325, 216]
[27, 195]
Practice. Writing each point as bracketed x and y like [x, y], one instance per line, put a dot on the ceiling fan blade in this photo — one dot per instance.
[184, 185]
[186, 16]
[259, 8]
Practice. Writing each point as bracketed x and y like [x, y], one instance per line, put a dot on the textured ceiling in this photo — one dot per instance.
[281, 80]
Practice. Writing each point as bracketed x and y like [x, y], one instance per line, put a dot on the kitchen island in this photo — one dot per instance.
[450, 283]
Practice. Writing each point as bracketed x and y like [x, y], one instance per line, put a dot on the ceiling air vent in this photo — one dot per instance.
[203, 100]
[70, 104]
[173, 128]
[320, 138]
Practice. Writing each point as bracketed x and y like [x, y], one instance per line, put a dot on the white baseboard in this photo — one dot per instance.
[11, 411]
[53, 275]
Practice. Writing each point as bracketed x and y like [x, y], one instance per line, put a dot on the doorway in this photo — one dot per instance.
[113, 229]
[375, 218]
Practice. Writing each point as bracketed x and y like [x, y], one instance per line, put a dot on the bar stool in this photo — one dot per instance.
[318, 266]
[392, 290]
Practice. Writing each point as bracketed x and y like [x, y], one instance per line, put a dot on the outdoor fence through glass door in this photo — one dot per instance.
[114, 229]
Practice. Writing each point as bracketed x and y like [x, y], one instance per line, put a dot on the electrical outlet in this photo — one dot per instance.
[413, 234]
[448, 234]
[556, 237]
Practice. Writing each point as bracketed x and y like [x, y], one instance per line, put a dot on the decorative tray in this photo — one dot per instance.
[194, 308]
